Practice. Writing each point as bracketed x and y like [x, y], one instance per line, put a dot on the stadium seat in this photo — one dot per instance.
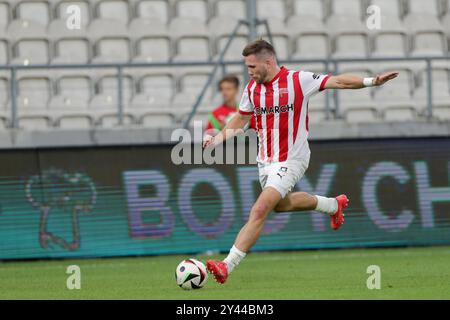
[391, 40]
[192, 49]
[153, 49]
[4, 51]
[62, 7]
[161, 85]
[109, 85]
[392, 8]
[143, 27]
[34, 122]
[35, 10]
[69, 46]
[315, 8]
[311, 45]
[158, 10]
[399, 112]
[397, 93]
[354, 103]
[281, 44]
[346, 7]
[159, 120]
[75, 121]
[111, 41]
[271, 9]
[230, 8]
[4, 90]
[361, 115]
[442, 112]
[429, 7]
[111, 120]
[74, 86]
[193, 83]
[101, 102]
[350, 36]
[146, 102]
[29, 42]
[195, 9]
[234, 52]
[187, 27]
[113, 9]
[34, 91]
[224, 26]
[427, 35]
[5, 14]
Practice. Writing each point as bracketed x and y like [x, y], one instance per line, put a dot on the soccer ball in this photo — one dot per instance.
[191, 274]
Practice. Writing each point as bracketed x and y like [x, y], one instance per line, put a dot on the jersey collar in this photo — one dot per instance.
[282, 70]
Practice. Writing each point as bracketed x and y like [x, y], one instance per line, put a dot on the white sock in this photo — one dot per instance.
[234, 257]
[326, 205]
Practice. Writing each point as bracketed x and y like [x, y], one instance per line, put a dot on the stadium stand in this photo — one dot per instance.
[157, 31]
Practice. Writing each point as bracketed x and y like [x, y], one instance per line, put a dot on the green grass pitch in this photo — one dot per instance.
[406, 273]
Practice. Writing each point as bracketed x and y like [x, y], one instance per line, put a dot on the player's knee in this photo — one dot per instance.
[259, 212]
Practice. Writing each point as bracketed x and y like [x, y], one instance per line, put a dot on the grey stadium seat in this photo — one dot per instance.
[34, 91]
[75, 86]
[4, 51]
[311, 45]
[4, 90]
[196, 9]
[113, 9]
[160, 120]
[186, 27]
[193, 49]
[144, 27]
[271, 8]
[389, 7]
[315, 8]
[350, 37]
[30, 42]
[34, 122]
[84, 7]
[224, 26]
[346, 7]
[35, 10]
[5, 15]
[230, 8]
[428, 35]
[193, 83]
[391, 40]
[153, 10]
[234, 52]
[109, 85]
[70, 112]
[157, 85]
[153, 49]
[111, 41]
[69, 46]
[354, 104]
[428, 7]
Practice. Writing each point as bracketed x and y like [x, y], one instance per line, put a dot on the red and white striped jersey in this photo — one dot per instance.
[281, 111]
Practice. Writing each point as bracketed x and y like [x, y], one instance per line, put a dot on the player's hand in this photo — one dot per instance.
[208, 140]
[382, 79]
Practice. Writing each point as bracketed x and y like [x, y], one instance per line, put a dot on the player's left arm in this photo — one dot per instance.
[350, 81]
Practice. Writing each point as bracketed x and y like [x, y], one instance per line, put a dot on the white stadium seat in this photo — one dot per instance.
[427, 33]
[346, 7]
[109, 85]
[5, 14]
[4, 90]
[224, 26]
[153, 49]
[75, 121]
[143, 27]
[154, 10]
[148, 102]
[158, 85]
[430, 7]
[159, 120]
[84, 7]
[36, 10]
[4, 51]
[111, 41]
[389, 7]
[230, 8]
[314, 8]
[271, 8]
[35, 89]
[391, 40]
[75, 86]
[192, 49]
[113, 9]
[312, 45]
[181, 27]
[234, 52]
[196, 9]
[34, 123]
[193, 82]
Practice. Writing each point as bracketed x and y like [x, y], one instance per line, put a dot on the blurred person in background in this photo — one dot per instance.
[221, 115]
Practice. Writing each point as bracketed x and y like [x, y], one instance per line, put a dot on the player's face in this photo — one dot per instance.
[229, 92]
[257, 68]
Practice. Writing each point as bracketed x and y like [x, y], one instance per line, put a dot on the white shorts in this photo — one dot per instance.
[282, 176]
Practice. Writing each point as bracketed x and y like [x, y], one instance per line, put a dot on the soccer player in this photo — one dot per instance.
[278, 99]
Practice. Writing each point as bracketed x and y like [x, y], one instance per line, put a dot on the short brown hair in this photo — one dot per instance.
[258, 47]
[229, 78]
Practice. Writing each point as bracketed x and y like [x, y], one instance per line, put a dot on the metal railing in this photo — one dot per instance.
[330, 65]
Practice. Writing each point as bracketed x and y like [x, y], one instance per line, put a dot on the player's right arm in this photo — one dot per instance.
[236, 125]
[233, 128]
